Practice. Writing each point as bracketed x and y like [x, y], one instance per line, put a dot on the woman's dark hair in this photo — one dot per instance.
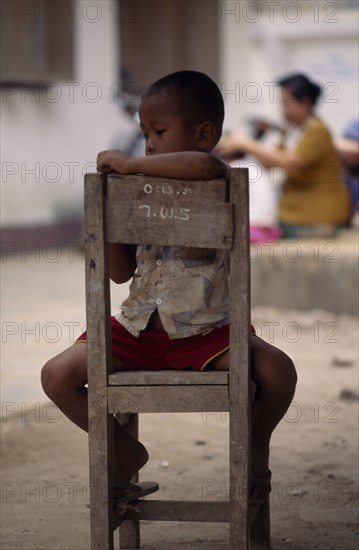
[300, 87]
[195, 94]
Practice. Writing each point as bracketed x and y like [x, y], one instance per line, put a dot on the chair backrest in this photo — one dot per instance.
[147, 210]
[167, 212]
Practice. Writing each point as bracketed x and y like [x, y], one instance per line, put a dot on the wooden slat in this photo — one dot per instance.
[260, 526]
[130, 530]
[151, 399]
[138, 186]
[167, 378]
[169, 212]
[239, 381]
[172, 510]
[98, 361]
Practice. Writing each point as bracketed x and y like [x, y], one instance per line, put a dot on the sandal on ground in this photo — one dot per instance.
[132, 492]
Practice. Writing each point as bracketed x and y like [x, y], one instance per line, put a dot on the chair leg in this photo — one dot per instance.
[260, 528]
[130, 529]
[100, 436]
[130, 534]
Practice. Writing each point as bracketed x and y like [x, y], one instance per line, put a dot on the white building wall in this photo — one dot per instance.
[51, 136]
[265, 40]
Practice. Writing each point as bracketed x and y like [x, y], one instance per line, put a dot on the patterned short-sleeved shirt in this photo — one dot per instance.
[188, 286]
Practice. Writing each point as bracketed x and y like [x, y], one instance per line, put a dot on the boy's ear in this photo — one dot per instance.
[206, 135]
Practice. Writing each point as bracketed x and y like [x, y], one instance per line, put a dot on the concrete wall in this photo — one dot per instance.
[307, 274]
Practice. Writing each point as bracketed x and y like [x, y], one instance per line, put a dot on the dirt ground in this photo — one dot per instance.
[44, 468]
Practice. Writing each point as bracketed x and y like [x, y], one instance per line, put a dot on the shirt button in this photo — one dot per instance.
[158, 262]
[158, 301]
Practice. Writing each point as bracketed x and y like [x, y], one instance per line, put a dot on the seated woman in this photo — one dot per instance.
[348, 150]
[313, 200]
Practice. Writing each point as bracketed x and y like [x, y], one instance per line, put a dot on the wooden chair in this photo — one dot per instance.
[142, 209]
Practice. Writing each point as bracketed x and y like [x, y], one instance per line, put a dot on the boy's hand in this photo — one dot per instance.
[114, 161]
[188, 165]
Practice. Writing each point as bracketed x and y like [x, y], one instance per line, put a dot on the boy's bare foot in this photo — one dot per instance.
[261, 474]
[130, 460]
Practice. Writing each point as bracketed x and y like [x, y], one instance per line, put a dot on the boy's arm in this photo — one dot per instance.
[122, 262]
[187, 165]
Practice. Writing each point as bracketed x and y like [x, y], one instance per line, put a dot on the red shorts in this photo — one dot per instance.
[154, 350]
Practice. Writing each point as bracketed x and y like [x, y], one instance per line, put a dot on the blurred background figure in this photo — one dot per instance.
[313, 200]
[128, 97]
[264, 181]
[348, 149]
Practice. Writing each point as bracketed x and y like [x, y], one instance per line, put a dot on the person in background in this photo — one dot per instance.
[348, 150]
[313, 200]
[264, 184]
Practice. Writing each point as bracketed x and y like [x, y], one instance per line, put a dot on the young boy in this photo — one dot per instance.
[172, 318]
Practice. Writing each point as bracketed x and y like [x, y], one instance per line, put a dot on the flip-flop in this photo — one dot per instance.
[133, 491]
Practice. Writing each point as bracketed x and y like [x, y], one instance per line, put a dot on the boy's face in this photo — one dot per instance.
[163, 127]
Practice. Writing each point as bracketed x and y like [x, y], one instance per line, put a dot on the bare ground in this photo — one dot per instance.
[314, 453]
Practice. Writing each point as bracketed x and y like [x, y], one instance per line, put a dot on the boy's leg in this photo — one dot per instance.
[63, 379]
[275, 377]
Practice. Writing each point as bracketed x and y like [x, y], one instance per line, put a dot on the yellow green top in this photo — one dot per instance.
[314, 194]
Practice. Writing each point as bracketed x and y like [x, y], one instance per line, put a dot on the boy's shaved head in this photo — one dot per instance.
[195, 95]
